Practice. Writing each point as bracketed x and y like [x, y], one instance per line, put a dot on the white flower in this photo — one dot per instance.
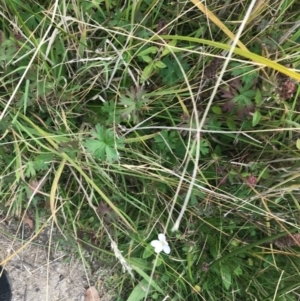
[161, 244]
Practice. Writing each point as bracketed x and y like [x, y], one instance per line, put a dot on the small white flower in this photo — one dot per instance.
[161, 244]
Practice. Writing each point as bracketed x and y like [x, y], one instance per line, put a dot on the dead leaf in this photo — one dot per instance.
[91, 294]
[27, 220]
[36, 186]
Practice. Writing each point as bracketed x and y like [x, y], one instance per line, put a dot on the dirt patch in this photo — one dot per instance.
[38, 272]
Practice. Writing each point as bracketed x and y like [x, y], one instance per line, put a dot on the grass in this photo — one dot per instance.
[122, 120]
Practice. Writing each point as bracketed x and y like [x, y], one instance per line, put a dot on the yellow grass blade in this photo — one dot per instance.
[211, 16]
[54, 189]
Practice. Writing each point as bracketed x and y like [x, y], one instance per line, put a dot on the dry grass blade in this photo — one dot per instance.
[53, 191]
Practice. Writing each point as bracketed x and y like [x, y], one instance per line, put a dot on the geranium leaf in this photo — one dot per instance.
[105, 145]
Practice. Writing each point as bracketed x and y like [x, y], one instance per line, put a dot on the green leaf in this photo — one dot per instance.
[129, 104]
[147, 279]
[258, 97]
[108, 109]
[42, 161]
[30, 170]
[240, 69]
[7, 48]
[242, 99]
[152, 49]
[147, 58]
[155, 296]
[217, 110]
[226, 276]
[193, 200]
[238, 271]
[172, 72]
[167, 49]
[298, 143]
[133, 101]
[147, 72]
[249, 93]
[111, 154]
[204, 147]
[104, 145]
[256, 118]
[5, 124]
[139, 262]
[166, 140]
[214, 123]
[231, 124]
[160, 64]
[96, 148]
[139, 292]
[248, 74]
[147, 252]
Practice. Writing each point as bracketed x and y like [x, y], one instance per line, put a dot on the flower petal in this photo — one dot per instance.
[158, 246]
[166, 249]
[154, 243]
[162, 237]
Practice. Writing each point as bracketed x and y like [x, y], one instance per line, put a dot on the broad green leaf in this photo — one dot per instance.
[256, 118]
[193, 200]
[258, 97]
[226, 276]
[104, 145]
[148, 251]
[139, 262]
[148, 279]
[298, 143]
[147, 58]
[139, 292]
[217, 110]
[42, 161]
[231, 124]
[147, 72]
[111, 154]
[96, 148]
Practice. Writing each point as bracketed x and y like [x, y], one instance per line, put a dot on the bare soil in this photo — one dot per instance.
[41, 272]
